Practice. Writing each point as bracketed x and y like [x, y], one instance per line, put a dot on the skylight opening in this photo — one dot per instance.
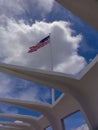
[75, 121]
[16, 88]
[49, 128]
[12, 109]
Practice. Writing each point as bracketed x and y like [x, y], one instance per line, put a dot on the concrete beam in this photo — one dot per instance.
[16, 125]
[87, 10]
[33, 122]
[46, 110]
[84, 89]
[47, 78]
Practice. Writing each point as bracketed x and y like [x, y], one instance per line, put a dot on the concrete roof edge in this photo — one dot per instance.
[88, 67]
[12, 67]
[77, 77]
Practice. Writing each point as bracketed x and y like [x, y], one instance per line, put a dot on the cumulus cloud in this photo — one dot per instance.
[17, 37]
[83, 127]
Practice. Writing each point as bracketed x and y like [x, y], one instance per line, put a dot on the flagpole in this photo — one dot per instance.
[51, 59]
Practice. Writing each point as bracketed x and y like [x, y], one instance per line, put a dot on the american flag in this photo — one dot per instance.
[42, 43]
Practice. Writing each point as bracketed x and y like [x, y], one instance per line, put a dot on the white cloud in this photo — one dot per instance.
[19, 89]
[18, 122]
[14, 8]
[45, 5]
[5, 86]
[83, 127]
[11, 7]
[17, 37]
[24, 90]
[31, 93]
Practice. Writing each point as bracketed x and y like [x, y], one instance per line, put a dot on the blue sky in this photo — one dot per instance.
[23, 23]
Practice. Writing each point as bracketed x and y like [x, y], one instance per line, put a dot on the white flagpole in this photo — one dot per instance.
[51, 59]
